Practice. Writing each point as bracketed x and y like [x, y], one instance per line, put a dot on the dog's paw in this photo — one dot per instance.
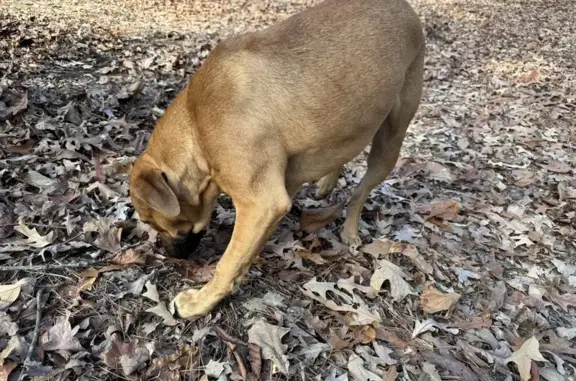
[191, 303]
[325, 185]
[351, 239]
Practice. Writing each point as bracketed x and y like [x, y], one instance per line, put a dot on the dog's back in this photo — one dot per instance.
[340, 64]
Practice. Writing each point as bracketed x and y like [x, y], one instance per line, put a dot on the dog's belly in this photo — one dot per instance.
[328, 156]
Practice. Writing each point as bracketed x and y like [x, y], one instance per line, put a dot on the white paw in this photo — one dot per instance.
[351, 239]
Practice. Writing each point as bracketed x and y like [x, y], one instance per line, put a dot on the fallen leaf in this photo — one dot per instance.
[411, 252]
[255, 359]
[73, 291]
[377, 248]
[567, 333]
[558, 167]
[192, 271]
[361, 315]
[445, 209]
[358, 372]
[214, 369]
[497, 296]
[269, 338]
[438, 172]
[128, 357]
[312, 351]
[13, 344]
[433, 301]
[5, 370]
[34, 238]
[129, 257]
[431, 372]
[384, 353]
[169, 368]
[523, 357]
[563, 300]
[431, 325]
[387, 271]
[14, 109]
[160, 309]
[391, 374]
[309, 256]
[315, 219]
[60, 337]
[9, 293]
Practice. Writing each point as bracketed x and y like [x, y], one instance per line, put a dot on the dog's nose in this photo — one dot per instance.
[184, 245]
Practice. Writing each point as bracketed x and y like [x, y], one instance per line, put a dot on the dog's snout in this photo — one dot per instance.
[182, 246]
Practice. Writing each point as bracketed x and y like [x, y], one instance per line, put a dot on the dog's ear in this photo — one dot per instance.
[151, 186]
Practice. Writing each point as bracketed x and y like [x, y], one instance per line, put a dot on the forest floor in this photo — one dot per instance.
[468, 268]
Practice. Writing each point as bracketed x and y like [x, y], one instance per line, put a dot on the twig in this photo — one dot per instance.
[74, 265]
[224, 336]
[34, 336]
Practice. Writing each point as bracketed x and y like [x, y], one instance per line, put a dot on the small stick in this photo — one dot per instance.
[224, 336]
[74, 265]
[34, 336]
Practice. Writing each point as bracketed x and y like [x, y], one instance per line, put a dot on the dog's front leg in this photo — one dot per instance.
[256, 220]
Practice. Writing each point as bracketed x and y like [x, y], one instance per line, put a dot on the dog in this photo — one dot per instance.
[271, 110]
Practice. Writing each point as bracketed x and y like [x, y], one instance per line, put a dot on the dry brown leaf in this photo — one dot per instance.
[388, 271]
[368, 335]
[391, 374]
[315, 219]
[169, 368]
[378, 248]
[5, 370]
[23, 148]
[9, 293]
[128, 357]
[73, 291]
[193, 271]
[433, 301]
[255, 359]
[361, 314]
[412, 252]
[529, 351]
[558, 167]
[358, 371]
[160, 309]
[445, 209]
[60, 337]
[312, 257]
[14, 109]
[269, 338]
[34, 239]
[475, 323]
[129, 257]
[563, 300]
[392, 338]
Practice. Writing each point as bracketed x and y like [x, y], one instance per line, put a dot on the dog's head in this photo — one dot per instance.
[178, 207]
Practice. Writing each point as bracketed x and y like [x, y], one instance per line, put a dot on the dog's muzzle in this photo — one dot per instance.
[184, 245]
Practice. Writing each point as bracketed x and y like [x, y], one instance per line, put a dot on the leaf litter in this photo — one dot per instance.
[467, 268]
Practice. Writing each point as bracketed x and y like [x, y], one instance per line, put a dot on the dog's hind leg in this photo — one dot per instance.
[385, 149]
[327, 183]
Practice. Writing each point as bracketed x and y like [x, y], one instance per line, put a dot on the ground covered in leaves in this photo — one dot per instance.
[468, 268]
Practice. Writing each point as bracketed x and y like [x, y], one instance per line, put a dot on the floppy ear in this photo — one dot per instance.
[151, 186]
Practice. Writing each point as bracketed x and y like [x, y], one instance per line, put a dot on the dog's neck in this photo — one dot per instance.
[173, 147]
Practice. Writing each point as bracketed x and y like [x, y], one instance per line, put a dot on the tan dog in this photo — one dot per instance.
[271, 110]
